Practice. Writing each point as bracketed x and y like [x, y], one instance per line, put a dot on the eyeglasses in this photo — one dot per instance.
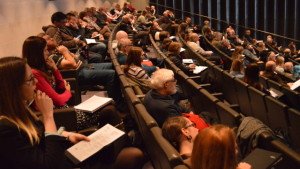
[30, 80]
[190, 125]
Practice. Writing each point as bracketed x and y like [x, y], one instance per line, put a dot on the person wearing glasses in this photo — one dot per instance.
[181, 133]
[164, 101]
[29, 142]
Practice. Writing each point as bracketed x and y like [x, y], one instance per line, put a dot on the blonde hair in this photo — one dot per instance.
[27, 127]
[12, 106]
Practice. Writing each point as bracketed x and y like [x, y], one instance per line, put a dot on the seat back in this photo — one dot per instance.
[276, 114]
[66, 117]
[227, 115]
[167, 156]
[258, 106]
[229, 89]
[294, 118]
[243, 97]
[292, 98]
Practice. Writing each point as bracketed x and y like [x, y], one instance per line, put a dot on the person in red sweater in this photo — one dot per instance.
[51, 82]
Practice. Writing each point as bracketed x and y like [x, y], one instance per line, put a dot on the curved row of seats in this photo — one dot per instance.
[292, 98]
[252, 102]
[162, 154]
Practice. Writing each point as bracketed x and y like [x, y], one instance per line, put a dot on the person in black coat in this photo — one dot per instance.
[163, 100]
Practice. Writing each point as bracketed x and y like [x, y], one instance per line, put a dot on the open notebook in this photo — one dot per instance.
[93, 104]
[99, 139]
[295, 85]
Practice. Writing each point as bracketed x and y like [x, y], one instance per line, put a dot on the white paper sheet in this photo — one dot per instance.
[99, 139]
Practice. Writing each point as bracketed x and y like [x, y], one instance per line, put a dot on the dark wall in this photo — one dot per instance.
[279, 17]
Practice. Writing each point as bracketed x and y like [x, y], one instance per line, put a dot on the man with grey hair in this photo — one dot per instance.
[162, 101]
[124, 46]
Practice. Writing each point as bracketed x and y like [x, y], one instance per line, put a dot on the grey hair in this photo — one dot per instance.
[160, 77]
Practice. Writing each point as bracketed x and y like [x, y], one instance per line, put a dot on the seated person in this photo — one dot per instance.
[271, 56]
[288, 68]
[140, 38]
[50, 81]
[174, 55]
[181, 133]
[124, 46]
[216, 137]
[195, 45]
[163, 100]
[89, 74]
[59, 32]
[270, 73]
[27, 142]
[280, 64]
[133, 67]
[252, 77]
[248, 37]
[119, 35]
[237, 69]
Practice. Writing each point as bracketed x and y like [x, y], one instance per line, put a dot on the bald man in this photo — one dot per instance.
[119, 35]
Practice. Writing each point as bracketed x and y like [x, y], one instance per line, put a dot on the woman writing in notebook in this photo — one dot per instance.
[25, 141]
[50, 81]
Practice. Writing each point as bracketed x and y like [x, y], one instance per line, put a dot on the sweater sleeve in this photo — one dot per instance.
[59, 99]
[59, 81]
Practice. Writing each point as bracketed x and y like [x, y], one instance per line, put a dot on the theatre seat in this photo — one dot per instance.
[258, 106]
[294, 118]
[243, 97]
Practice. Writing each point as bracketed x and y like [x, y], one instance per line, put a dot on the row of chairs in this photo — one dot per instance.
[202, 100]
[290, 97]
[162, 154]
[252, 102]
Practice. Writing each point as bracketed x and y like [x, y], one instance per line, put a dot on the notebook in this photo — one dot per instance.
[263, 159]
[199, 69]
[93, 104]
[295, 85]
[98, 140]
[275, 93]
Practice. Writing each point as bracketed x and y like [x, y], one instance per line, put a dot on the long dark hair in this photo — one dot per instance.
[33, 51]
[12, 106]
[134, 58]
[252, 76]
